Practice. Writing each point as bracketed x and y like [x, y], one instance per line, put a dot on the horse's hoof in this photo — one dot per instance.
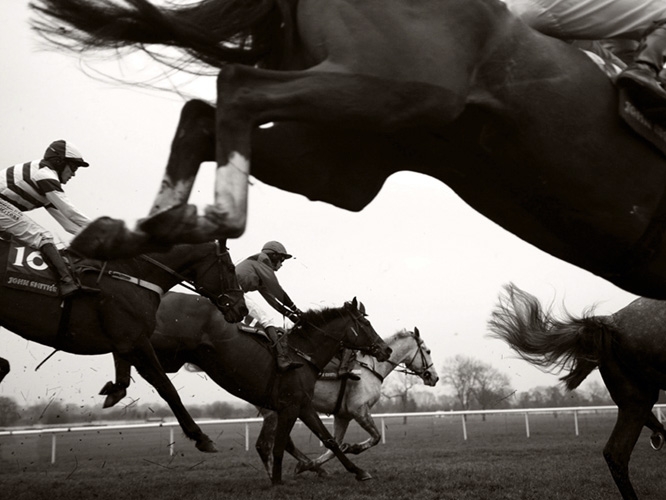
[302, 467]
[363, 476]
[657, 441]
[112, 399]
[169, 223]
[206, 445]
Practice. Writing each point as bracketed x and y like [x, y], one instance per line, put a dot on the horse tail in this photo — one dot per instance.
[574, 343]
[214, 32]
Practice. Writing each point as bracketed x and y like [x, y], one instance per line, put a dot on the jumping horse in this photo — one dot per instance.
[121, 317]
[190, 331]
[353, 400]
[523, 127]
[627, 347]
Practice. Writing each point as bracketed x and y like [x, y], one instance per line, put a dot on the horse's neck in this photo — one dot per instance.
[319, 342]
[401, 350]
[152, 267]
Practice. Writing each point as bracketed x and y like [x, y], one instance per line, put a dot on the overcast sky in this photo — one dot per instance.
[416, 256]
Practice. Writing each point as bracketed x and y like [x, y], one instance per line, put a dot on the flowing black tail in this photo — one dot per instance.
[575, 344]
[214, 32]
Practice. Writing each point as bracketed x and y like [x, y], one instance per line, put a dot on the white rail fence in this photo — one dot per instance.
[54, 432]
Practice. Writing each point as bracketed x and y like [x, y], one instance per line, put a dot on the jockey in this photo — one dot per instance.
[257, 273]
[35, 184]
[640, 20]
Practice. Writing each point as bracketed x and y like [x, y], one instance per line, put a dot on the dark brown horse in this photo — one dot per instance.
[523, 127]
[121, 317]
[627, 347]
[190, 331]
[353, 400]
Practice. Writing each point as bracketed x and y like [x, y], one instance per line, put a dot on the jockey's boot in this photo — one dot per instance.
[346, 363]
[641, 78]
[66, 282]
[284, 362]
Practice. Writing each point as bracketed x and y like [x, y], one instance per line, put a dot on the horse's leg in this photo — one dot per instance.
[630, 421]
[285, 423]
[340, 425]
[310, 418]
[145, 361]
[248, 97]
[303, 461]
[658, 432]
[193, 144]
[264, 443]
[115, 391]
[4, 368]
[364, 418]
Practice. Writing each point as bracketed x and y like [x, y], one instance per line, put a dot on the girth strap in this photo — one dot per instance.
[139, 282]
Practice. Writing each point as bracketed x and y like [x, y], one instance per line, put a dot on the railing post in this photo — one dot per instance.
[247, 437]
[464, 422]
[576, 421]
[383, 431]
[527, 424]
[171, 442]
[53, 448]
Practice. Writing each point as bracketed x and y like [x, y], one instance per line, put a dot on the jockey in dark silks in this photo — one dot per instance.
[257, 273]
[36, 184]
[639, 20]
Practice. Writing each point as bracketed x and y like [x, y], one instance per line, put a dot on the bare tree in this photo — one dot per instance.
[492, 388]
[460, 373]
[473, 380]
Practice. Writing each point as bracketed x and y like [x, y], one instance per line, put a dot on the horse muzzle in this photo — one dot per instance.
[381, 351]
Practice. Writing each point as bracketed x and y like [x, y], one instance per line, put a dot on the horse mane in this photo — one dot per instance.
[213, 32]
[320, 317]
[400, 334]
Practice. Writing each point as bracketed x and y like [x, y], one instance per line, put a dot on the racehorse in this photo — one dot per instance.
[626, 346]
[190, 331]
[121, 317]
[353, 400]
[523, 127]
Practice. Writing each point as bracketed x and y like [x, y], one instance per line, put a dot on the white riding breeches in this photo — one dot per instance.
[589, 19]
[258, 313]
[22, 227]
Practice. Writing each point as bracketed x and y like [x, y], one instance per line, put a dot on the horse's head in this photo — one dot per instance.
[361, 335]
[421, 363]
[215, 278]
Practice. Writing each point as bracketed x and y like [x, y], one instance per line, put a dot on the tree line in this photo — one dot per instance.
[466, 383]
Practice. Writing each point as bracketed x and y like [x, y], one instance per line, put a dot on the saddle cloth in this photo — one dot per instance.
[27, 270]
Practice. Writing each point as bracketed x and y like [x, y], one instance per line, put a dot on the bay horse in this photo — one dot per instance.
[121, 317]
[191, 331]
[523, 127]
[353, 400]
[627, 347]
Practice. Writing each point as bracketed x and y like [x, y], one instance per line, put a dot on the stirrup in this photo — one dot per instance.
[285, 364]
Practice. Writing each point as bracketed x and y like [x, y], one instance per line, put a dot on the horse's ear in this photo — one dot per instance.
[416, 332]
[361, 309]
[354, 303]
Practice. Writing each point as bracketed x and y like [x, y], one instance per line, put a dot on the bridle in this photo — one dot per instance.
[229, 298]
[423, 373]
